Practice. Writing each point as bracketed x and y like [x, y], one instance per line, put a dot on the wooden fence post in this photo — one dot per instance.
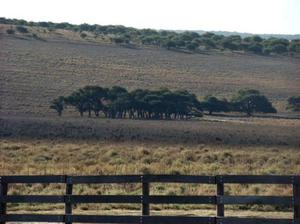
[220, 192]
[68, 204]
[146, 191]
[296, 196]
[3, 192]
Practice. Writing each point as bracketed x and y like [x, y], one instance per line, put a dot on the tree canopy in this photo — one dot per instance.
[190, 41]
[213, 104]
[118, 102]
[250, 101]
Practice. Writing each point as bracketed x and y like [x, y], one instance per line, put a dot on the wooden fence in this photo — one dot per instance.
[145, 199]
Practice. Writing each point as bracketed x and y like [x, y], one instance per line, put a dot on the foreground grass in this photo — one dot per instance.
[23, 156]
[28, 157]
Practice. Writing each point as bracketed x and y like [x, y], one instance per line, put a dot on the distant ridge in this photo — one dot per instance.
[243, 35]
[189, 41]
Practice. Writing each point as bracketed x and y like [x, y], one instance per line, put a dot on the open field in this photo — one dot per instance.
[33, 140]
[33, 71]
[238, 132]
[58, 156]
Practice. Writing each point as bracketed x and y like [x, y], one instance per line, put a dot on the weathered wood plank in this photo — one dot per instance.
[161, 199]
[31, 218]
[35, 179]
[68, 203]
[3, 193]
[77, 199]
[146, 192]
[104, 179]
[266, 200]
[258, 179]
[296, 197]
[179, 179]
[32, 199]
[177, 220]
[220, 193]
[105, 199]
[103, 219]
[229, 220]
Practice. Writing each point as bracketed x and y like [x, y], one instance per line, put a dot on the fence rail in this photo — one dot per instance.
[145, 199]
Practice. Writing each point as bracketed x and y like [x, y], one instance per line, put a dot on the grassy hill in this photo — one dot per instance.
[43, 64]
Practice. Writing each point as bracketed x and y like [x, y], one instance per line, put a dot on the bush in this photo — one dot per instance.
[279, 48]
[256, 48]
[294, 103]
[10, 31]
[22, 29]
[83, 35]
[192, 46]
[294, 46]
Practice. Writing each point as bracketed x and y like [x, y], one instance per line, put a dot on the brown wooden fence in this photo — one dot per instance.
[145, 199]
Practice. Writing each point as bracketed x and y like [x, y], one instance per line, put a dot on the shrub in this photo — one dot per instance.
[279, 48]
[294, 103]
[256, 48]
[83, 35]
[22, 29]
[10, 31]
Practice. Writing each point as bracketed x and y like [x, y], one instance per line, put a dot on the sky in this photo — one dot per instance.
[252, 16]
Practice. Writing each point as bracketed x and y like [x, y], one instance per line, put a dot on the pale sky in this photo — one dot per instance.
[253, 16]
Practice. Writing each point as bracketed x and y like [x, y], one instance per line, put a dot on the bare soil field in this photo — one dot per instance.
[34, 71]
[242, 132]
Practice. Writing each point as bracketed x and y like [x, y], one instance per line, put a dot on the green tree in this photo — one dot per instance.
[294, 103]
[170, 44]
[10, 31]
[192, 46]
[58, 105]
[83, 35]
[78, 100]
[279, 48]
[255, 48]
[213, 104]
[21, 29]
[294, 46]
[250, 101]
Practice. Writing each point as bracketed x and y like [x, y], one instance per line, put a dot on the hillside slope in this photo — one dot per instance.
[33, 71]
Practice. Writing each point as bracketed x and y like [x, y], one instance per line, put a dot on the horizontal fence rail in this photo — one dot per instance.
[145, 199]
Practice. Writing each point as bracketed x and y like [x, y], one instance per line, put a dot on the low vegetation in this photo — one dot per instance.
[190, 41]
[88, 157]
[294, 103]
[117, 102]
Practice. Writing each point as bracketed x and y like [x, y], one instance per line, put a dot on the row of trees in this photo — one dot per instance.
[117, 102]
[173, 40]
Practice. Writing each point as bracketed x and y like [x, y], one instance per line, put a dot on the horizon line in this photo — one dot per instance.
[162, 29]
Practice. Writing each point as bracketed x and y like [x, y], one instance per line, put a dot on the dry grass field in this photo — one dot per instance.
[83, 157]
